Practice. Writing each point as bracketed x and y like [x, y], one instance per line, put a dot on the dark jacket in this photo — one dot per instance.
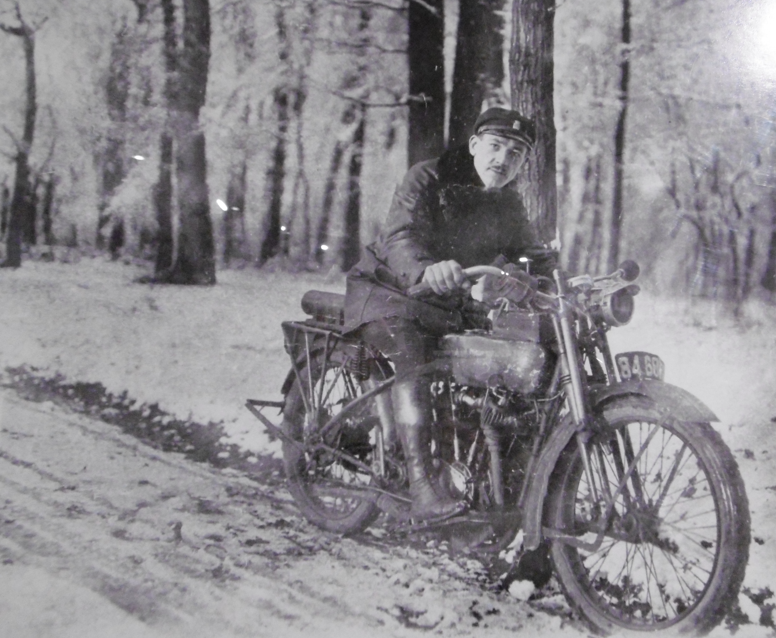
[440, 211]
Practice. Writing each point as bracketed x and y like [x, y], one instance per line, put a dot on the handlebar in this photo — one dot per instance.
[421, 289]
[606, 285]
[540, 300]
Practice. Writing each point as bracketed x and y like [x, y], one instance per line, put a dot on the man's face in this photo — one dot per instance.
[497, 159]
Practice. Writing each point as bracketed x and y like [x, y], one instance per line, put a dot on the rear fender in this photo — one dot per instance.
[680, 404]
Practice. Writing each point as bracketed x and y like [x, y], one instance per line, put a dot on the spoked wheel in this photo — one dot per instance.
[675, 537]
[328, 472]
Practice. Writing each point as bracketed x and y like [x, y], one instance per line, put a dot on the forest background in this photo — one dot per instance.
[272, 132]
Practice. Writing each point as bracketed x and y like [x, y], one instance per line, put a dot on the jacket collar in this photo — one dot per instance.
[456, 167]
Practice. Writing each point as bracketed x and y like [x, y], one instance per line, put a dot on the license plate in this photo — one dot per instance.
[640, 365]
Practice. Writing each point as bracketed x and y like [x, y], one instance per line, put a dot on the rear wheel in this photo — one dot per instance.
[676, 538]
[328, 472]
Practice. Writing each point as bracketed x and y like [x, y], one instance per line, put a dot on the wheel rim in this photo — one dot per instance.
[661, 544]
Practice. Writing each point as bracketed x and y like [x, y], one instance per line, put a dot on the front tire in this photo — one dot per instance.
[677, 541]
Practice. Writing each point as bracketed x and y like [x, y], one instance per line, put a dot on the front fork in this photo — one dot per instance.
[579, 405]
[571, 377]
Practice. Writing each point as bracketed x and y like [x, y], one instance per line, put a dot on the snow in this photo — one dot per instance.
[522, 589]
[201, 352]
[50, 603]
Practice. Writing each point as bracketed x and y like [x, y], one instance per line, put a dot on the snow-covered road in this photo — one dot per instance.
[103, 536]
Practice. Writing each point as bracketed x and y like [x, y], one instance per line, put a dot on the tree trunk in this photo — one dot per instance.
[619, 142]
[276, 174]
[322, 238]
[234, 216]
[46, 212]
[351, 246]
[427, 80]
[30, 217]
[479, 66]
[768, 280]
[4, 208]
[195, 260]
[20, 202]
[271, 245]
[195, 255]
[584, 237]
[734, 284]
[163, 189]
[532, 94]
[750, 252]
[162, 196]
[117, 94]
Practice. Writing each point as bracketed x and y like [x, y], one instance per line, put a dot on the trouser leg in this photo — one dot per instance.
[412, 411]
[409, 349]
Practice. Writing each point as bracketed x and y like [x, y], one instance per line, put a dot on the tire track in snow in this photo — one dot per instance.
[76, 525]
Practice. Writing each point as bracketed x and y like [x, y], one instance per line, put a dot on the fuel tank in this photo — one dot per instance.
[483, 359]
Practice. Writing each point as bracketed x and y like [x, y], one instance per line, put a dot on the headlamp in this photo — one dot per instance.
[616, 308]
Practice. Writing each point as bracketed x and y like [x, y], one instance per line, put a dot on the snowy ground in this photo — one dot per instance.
[200, 352]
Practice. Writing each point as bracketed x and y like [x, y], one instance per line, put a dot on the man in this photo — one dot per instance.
[448, 214]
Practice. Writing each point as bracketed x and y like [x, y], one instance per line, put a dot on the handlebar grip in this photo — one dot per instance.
[423, 288]
[543, 301]
[629, 270]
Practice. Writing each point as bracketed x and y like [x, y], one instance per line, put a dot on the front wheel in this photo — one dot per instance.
[669, 503]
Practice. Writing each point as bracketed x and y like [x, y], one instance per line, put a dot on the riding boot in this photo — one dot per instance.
[412, 409]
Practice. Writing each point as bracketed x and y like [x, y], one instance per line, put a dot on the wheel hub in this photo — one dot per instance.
[638, 525]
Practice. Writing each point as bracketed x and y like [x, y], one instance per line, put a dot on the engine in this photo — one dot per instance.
[482, 437]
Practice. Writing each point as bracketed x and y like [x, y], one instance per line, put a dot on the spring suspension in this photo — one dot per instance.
[359, 364]
[499, 413]
[495, 416]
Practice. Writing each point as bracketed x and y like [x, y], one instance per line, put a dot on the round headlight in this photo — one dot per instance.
[617, 308]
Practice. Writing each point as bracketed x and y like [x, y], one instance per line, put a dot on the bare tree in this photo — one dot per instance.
[287, 189]
[532, 94]
[234, 216]
[195, 259]
[163, 188]
[479, 68]
[5, 202]
[351, 246]
[282, 95]
[619, 140]
[427, 80]
[768, 280]
[113, 165]
[22, 205]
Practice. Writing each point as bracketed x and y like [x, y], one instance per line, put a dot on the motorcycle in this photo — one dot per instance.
[537, 427]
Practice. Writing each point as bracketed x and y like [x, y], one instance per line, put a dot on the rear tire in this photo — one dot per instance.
[331, 492]
[675, 550]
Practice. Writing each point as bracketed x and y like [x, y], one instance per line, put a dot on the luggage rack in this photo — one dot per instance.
[257, 405]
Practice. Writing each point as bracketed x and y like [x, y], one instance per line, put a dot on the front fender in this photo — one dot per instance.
[680, 404]
[683, 405]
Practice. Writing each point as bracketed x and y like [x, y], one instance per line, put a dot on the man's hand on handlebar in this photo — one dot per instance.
[520, 288]
[446, 276]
